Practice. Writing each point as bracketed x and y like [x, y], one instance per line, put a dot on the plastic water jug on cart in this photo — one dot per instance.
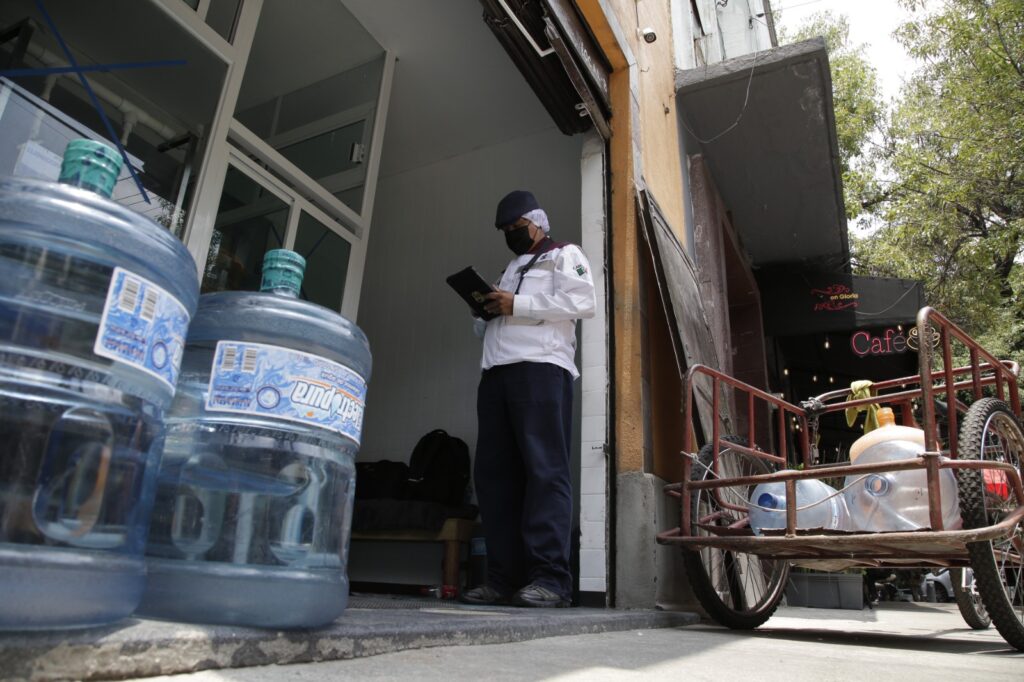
[947, 494]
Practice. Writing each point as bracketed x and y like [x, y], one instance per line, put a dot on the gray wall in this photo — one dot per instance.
[428, 223]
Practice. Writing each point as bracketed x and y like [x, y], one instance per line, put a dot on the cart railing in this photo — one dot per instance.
[934, 331]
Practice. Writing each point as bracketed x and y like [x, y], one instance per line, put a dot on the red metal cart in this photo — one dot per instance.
[739, 577]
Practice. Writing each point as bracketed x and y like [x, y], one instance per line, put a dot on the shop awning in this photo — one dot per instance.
[767, 132]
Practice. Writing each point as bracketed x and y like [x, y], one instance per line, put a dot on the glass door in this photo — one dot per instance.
[252, 219]
[257, 213]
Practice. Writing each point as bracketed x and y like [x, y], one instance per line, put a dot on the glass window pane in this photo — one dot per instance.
[161, 110]
[250, 222]
[221, 17]
[328, 153]
[327, 257]
[310, 91]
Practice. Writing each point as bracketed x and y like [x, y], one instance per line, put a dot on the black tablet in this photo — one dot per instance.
[472, 288]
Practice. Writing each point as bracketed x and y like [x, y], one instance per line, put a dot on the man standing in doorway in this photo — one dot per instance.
[524, 408]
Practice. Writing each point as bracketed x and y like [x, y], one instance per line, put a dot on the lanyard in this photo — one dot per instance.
[542, 248]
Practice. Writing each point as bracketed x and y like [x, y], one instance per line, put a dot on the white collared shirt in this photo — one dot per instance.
[555, 292]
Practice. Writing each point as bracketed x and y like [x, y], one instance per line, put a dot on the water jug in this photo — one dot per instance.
[818, 506]
[897, 500]
[887, 430]
[254, 497]
[95, 302]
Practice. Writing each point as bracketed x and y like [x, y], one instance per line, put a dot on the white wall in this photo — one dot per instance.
[428, 223]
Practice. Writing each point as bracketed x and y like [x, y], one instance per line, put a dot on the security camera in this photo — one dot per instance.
[648, 35]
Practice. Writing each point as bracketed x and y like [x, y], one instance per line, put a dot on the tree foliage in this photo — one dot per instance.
[944, 176]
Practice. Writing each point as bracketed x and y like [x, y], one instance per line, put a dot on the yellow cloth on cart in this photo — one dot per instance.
[858, 390]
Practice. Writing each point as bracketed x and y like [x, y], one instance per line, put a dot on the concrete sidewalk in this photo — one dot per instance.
[905, 642]
[139, 648]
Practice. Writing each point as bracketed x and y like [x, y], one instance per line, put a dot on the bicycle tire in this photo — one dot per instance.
[991, 431]
[719, 580]
[969, 602]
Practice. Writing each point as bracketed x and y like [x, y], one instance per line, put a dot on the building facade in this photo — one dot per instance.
[672, 139]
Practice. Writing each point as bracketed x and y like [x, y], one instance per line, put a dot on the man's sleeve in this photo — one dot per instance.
[573, 296]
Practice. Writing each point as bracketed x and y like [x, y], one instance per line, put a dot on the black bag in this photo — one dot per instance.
[439, 469]
[382, 480]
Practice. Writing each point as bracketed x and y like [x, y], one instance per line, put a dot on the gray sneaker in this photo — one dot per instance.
[483, 595]
[538, 596]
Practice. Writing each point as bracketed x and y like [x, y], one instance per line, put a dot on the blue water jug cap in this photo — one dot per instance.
[768, 501]
[282, 272]
[90, 165]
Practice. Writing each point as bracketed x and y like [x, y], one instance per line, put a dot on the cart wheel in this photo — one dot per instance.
[992, 432]
[738, 590]
[968, 601]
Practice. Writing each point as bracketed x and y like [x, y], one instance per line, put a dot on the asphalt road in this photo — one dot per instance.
[904, 642]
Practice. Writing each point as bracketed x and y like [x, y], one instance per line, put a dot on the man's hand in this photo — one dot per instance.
[499, 302]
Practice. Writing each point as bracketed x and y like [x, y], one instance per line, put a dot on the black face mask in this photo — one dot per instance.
[519, 240]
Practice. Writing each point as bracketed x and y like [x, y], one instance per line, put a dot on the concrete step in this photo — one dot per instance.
[140, 648]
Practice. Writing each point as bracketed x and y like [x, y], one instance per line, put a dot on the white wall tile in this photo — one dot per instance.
[593, 404]
[592, 507]
[594, 355]
[592, 480]
[592, 454]
[593, 585]
[592, 535]
[594, 379]
[593, 428]
[592, 564]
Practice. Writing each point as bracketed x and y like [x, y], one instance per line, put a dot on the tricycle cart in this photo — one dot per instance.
[739, 577]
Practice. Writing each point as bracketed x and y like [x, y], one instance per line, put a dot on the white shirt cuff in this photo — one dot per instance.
[520, 305]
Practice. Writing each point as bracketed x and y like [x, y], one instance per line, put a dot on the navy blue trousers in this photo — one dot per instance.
[522, 477]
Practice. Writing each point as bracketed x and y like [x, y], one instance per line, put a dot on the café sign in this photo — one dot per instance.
[891, 341]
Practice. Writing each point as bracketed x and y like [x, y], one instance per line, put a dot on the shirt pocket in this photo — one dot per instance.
[540, 279]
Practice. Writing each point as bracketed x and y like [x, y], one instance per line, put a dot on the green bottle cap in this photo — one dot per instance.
[90, 165]
[282, 272]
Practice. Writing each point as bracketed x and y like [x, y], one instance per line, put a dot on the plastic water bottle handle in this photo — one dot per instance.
[76, 460]
[198, 516]
[291, 515]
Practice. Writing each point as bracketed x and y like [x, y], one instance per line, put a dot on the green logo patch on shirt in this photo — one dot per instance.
[580, 270]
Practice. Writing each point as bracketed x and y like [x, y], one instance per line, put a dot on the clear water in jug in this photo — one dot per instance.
[95, 302]
[256, 486]
[818, 506]
[898, 500]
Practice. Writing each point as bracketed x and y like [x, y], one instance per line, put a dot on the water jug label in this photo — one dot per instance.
[143, 325]
[255, 378]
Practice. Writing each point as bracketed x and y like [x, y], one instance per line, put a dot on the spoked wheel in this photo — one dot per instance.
[738, 590]
[968, 600]
[991, 432]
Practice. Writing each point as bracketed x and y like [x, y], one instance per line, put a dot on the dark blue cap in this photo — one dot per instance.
[514, 206]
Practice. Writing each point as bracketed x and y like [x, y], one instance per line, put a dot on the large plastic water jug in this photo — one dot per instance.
[95, 302]
[896, 500]
[257, 481]
[817, 506]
